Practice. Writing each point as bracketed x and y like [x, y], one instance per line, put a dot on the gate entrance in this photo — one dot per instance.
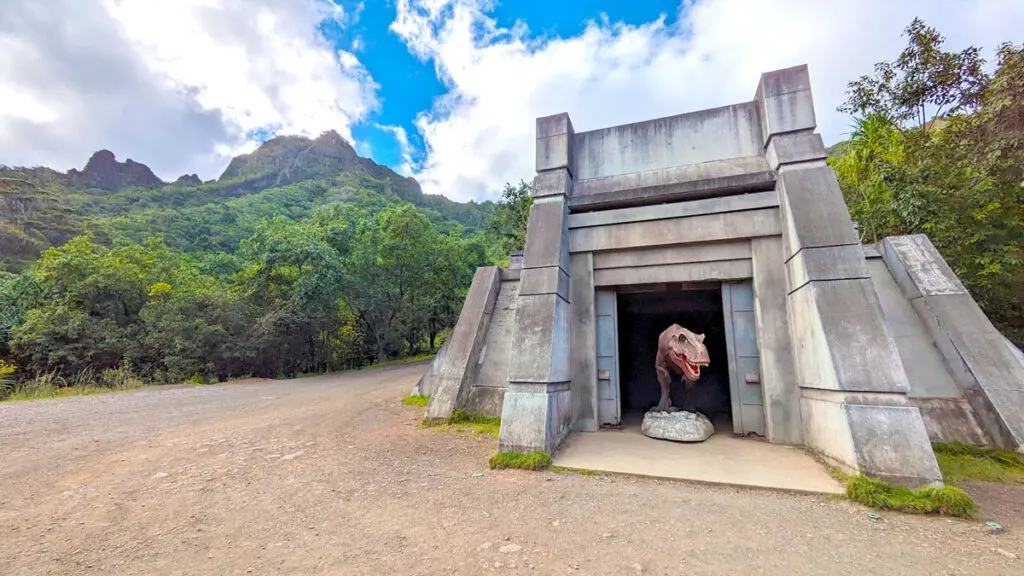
[628, 324]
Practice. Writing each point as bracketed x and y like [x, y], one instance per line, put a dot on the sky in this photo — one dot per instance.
[446, 91]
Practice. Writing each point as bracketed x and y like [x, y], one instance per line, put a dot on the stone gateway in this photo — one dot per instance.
[727, 221]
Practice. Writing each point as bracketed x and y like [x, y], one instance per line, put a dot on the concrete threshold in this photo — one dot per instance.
[721, 459]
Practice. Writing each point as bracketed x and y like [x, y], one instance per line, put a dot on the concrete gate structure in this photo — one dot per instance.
[863, 354]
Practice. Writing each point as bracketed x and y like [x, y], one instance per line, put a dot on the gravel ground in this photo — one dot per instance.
[330, 475]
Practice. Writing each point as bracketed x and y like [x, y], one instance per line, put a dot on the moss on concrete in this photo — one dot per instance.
[532, 461]
[460, 420]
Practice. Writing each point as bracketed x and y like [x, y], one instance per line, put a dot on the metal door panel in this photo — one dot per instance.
[745, 388]
[608, 407]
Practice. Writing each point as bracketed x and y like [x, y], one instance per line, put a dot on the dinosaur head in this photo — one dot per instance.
[689, 353]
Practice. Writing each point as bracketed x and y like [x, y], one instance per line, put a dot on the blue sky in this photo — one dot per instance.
[446, 91]
[409, 85]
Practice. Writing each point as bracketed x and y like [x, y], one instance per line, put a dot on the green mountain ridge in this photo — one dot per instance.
[286, 176]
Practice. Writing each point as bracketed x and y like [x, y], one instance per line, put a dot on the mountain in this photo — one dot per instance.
[286, 176]
[104, 172]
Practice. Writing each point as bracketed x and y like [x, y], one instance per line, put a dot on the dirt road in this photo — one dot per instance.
[330, 475]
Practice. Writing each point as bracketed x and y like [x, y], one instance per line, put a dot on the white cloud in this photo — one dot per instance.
[481, 134]
[405, 168]
[176, 84]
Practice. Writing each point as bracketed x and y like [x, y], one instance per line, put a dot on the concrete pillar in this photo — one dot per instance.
[537, 410]
[853, 387]
[583, 346]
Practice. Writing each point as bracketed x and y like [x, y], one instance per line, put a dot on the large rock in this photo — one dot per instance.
[678, 426]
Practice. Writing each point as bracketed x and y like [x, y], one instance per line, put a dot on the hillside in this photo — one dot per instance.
[287, 176]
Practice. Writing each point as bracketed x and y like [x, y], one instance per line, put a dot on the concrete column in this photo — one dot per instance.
[853, 397]
[537, 409]
[583, 348]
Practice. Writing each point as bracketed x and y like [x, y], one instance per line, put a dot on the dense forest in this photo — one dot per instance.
[304, 257]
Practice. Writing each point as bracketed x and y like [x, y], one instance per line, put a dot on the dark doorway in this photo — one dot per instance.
[642, 316]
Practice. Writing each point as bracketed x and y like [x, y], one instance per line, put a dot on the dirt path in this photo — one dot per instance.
[330, 475]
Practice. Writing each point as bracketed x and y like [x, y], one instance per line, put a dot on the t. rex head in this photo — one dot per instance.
[689, 353]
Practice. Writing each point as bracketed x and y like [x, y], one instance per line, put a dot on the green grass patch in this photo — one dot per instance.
[399, 361]
[43, 392]
[416, 400]
[946, 501]
[960, 462]
[464, 421]
[532, 461]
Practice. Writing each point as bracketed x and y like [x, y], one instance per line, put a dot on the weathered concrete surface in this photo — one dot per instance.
[926, 372]
[583, 346]
[537, 408]
[722, 459]
[950, 420]
[692, 138]
[456, 367]
[794, 148]
[826, 263]
[679, 209]
[778, 374]
[784, 102]
[690, 272]
[817, 216]
[677, 426]
[491, 374]
[988, 372]
[891, 443]
[702, 228]
[684, 254]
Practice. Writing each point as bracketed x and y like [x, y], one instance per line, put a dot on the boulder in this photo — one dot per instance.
[678, 426]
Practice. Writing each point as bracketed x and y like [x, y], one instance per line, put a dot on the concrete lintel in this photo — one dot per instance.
[703, 228]
[735, 203]
[682, 254]
[631, 190]
[557, 182]
[721, 270]
[547, 280]
[826, 263]
[794, 148]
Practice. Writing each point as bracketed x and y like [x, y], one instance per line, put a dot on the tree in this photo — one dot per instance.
[923, 82]
[513, 214]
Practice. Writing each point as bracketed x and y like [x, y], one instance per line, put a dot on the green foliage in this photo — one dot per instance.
[416, 400]
[532, 461]
[960, 462]
[956, 178]
[513, 214]
[946, 501]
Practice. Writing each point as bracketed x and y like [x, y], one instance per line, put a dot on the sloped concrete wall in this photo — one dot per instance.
[491, 379]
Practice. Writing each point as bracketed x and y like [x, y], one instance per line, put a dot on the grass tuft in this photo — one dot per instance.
[960, 462]
[580, 471]
[416, 400]
[463, 421]
[532, 461]
[945, 501]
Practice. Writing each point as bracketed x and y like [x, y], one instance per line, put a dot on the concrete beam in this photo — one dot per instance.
[717, 271]
[737, 203]
[703, 228]
[794, 148]
[683, 254]
[671, 185]
[680, 140]
[816, 212]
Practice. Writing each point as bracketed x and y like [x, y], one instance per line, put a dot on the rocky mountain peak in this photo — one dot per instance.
[103, 171]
